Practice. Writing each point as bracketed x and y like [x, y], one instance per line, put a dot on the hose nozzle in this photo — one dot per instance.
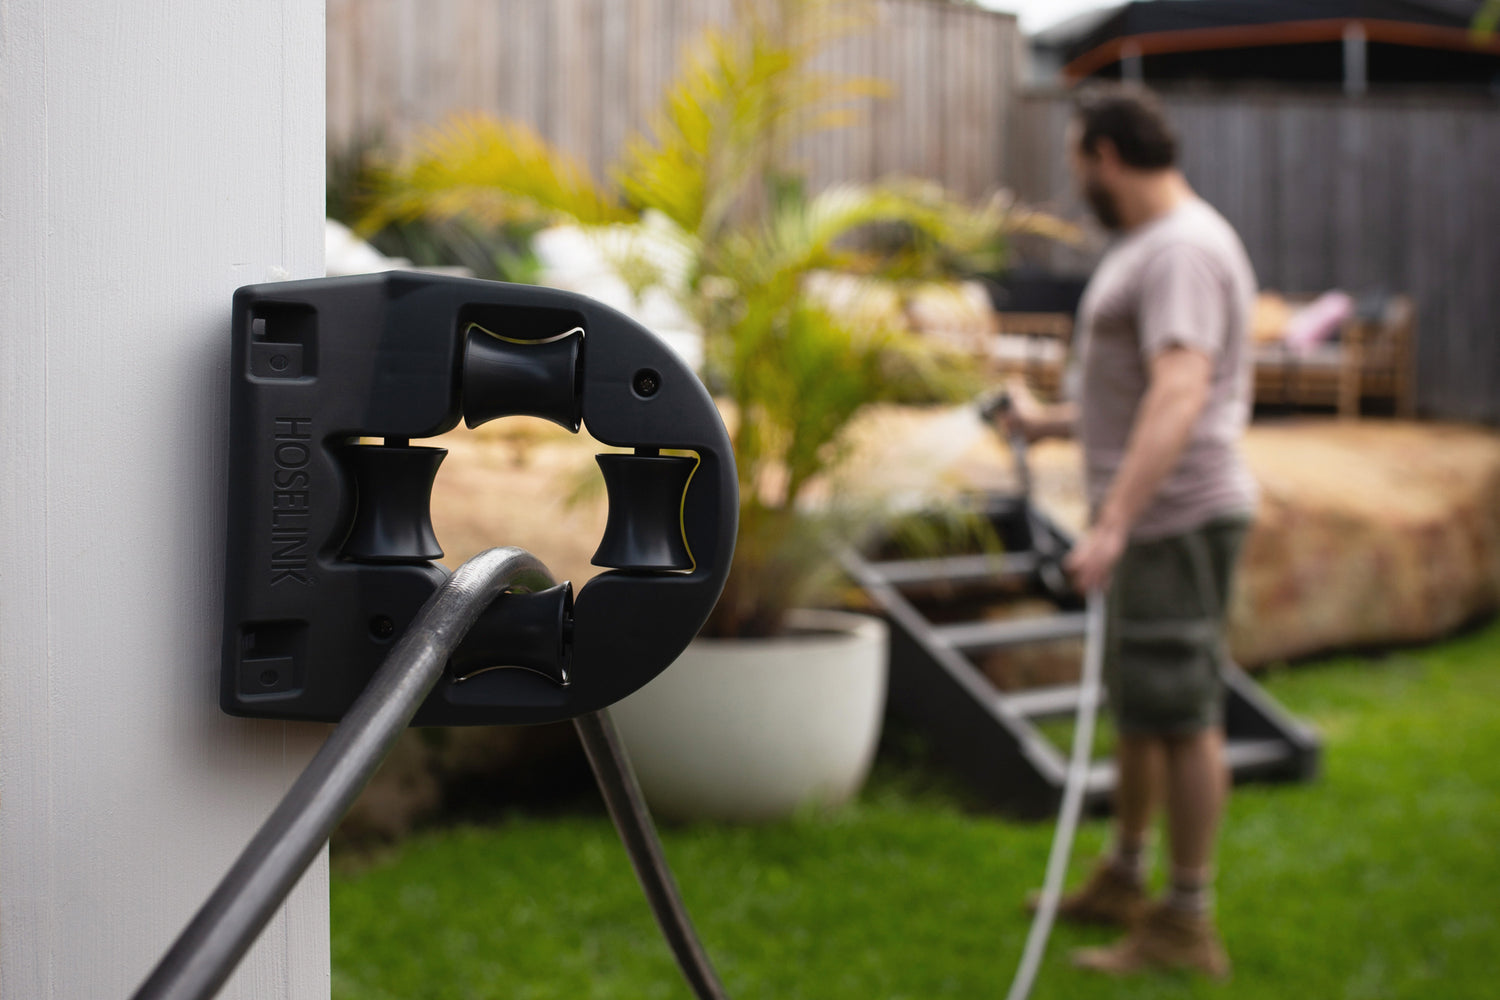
[993, 404]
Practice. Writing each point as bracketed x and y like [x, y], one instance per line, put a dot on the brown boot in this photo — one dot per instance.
[1165, 938]
[1108, 897]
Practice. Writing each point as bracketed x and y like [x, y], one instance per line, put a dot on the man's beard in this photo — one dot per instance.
[1104, 205]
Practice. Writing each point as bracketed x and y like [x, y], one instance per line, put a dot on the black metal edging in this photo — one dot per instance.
[980, 728]
[990, 736]
[1250, 710]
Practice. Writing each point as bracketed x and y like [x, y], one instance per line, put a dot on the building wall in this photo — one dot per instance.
[152, 159]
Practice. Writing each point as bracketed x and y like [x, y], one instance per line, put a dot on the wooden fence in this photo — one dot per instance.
[1395, 193]
[1400, 194]
[588, 73]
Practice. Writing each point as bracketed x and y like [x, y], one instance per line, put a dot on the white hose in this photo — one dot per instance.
[1072, 802]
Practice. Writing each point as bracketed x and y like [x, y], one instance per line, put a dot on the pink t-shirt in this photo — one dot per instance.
[1182, 280]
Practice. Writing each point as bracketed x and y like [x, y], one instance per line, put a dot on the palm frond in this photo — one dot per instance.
[738, 105]
[716, 221]
[493, 171]
[1486, 21]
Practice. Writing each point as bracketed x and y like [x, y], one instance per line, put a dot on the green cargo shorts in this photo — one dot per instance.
[1165, 651]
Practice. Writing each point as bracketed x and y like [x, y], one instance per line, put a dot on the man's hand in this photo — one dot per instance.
[1030, 417]
[1093, 559]
[1024, 413]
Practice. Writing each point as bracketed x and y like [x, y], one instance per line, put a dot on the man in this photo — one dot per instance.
[1163, 400]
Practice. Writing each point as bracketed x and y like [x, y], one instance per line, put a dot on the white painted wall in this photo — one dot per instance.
[153, 157]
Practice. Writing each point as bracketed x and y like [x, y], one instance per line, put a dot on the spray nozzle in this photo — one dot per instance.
[992, 404]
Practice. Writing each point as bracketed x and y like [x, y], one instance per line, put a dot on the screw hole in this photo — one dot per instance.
[268, 678]
[646, 383]
[381, 627]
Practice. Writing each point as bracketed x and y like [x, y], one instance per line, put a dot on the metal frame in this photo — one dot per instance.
[990, 736]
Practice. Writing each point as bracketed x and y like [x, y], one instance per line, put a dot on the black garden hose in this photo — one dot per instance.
[224, 928]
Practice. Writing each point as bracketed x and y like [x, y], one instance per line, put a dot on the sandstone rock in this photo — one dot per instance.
[1369, 532]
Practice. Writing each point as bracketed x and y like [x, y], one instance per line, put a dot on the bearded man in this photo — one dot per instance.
[1162, 392]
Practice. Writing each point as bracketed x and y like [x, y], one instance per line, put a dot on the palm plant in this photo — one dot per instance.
[792, 373]
[1486, 20]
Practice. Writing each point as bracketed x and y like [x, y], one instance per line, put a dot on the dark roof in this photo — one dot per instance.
[1093, 43]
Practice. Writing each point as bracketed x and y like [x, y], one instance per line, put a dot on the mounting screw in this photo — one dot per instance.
[381, 627]
[268, 678]
[645, 383]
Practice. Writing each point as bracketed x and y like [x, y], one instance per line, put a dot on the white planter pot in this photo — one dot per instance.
[753, 729]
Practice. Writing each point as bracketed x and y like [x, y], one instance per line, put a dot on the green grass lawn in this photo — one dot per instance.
[1382, 879]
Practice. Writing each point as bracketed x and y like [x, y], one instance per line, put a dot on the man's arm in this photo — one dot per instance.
[1179, 387]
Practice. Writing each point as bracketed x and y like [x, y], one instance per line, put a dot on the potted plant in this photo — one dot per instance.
[775, 705]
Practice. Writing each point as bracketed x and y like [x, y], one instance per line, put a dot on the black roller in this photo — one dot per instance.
[644, 531]
[534, 630]
[506, 378]
[392, 507]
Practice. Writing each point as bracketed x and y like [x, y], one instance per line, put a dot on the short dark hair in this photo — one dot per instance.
[1132, 120]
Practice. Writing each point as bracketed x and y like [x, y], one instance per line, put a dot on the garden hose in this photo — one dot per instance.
[1072, 802]
[1053, 578]
[211, 945]
[627, 807]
